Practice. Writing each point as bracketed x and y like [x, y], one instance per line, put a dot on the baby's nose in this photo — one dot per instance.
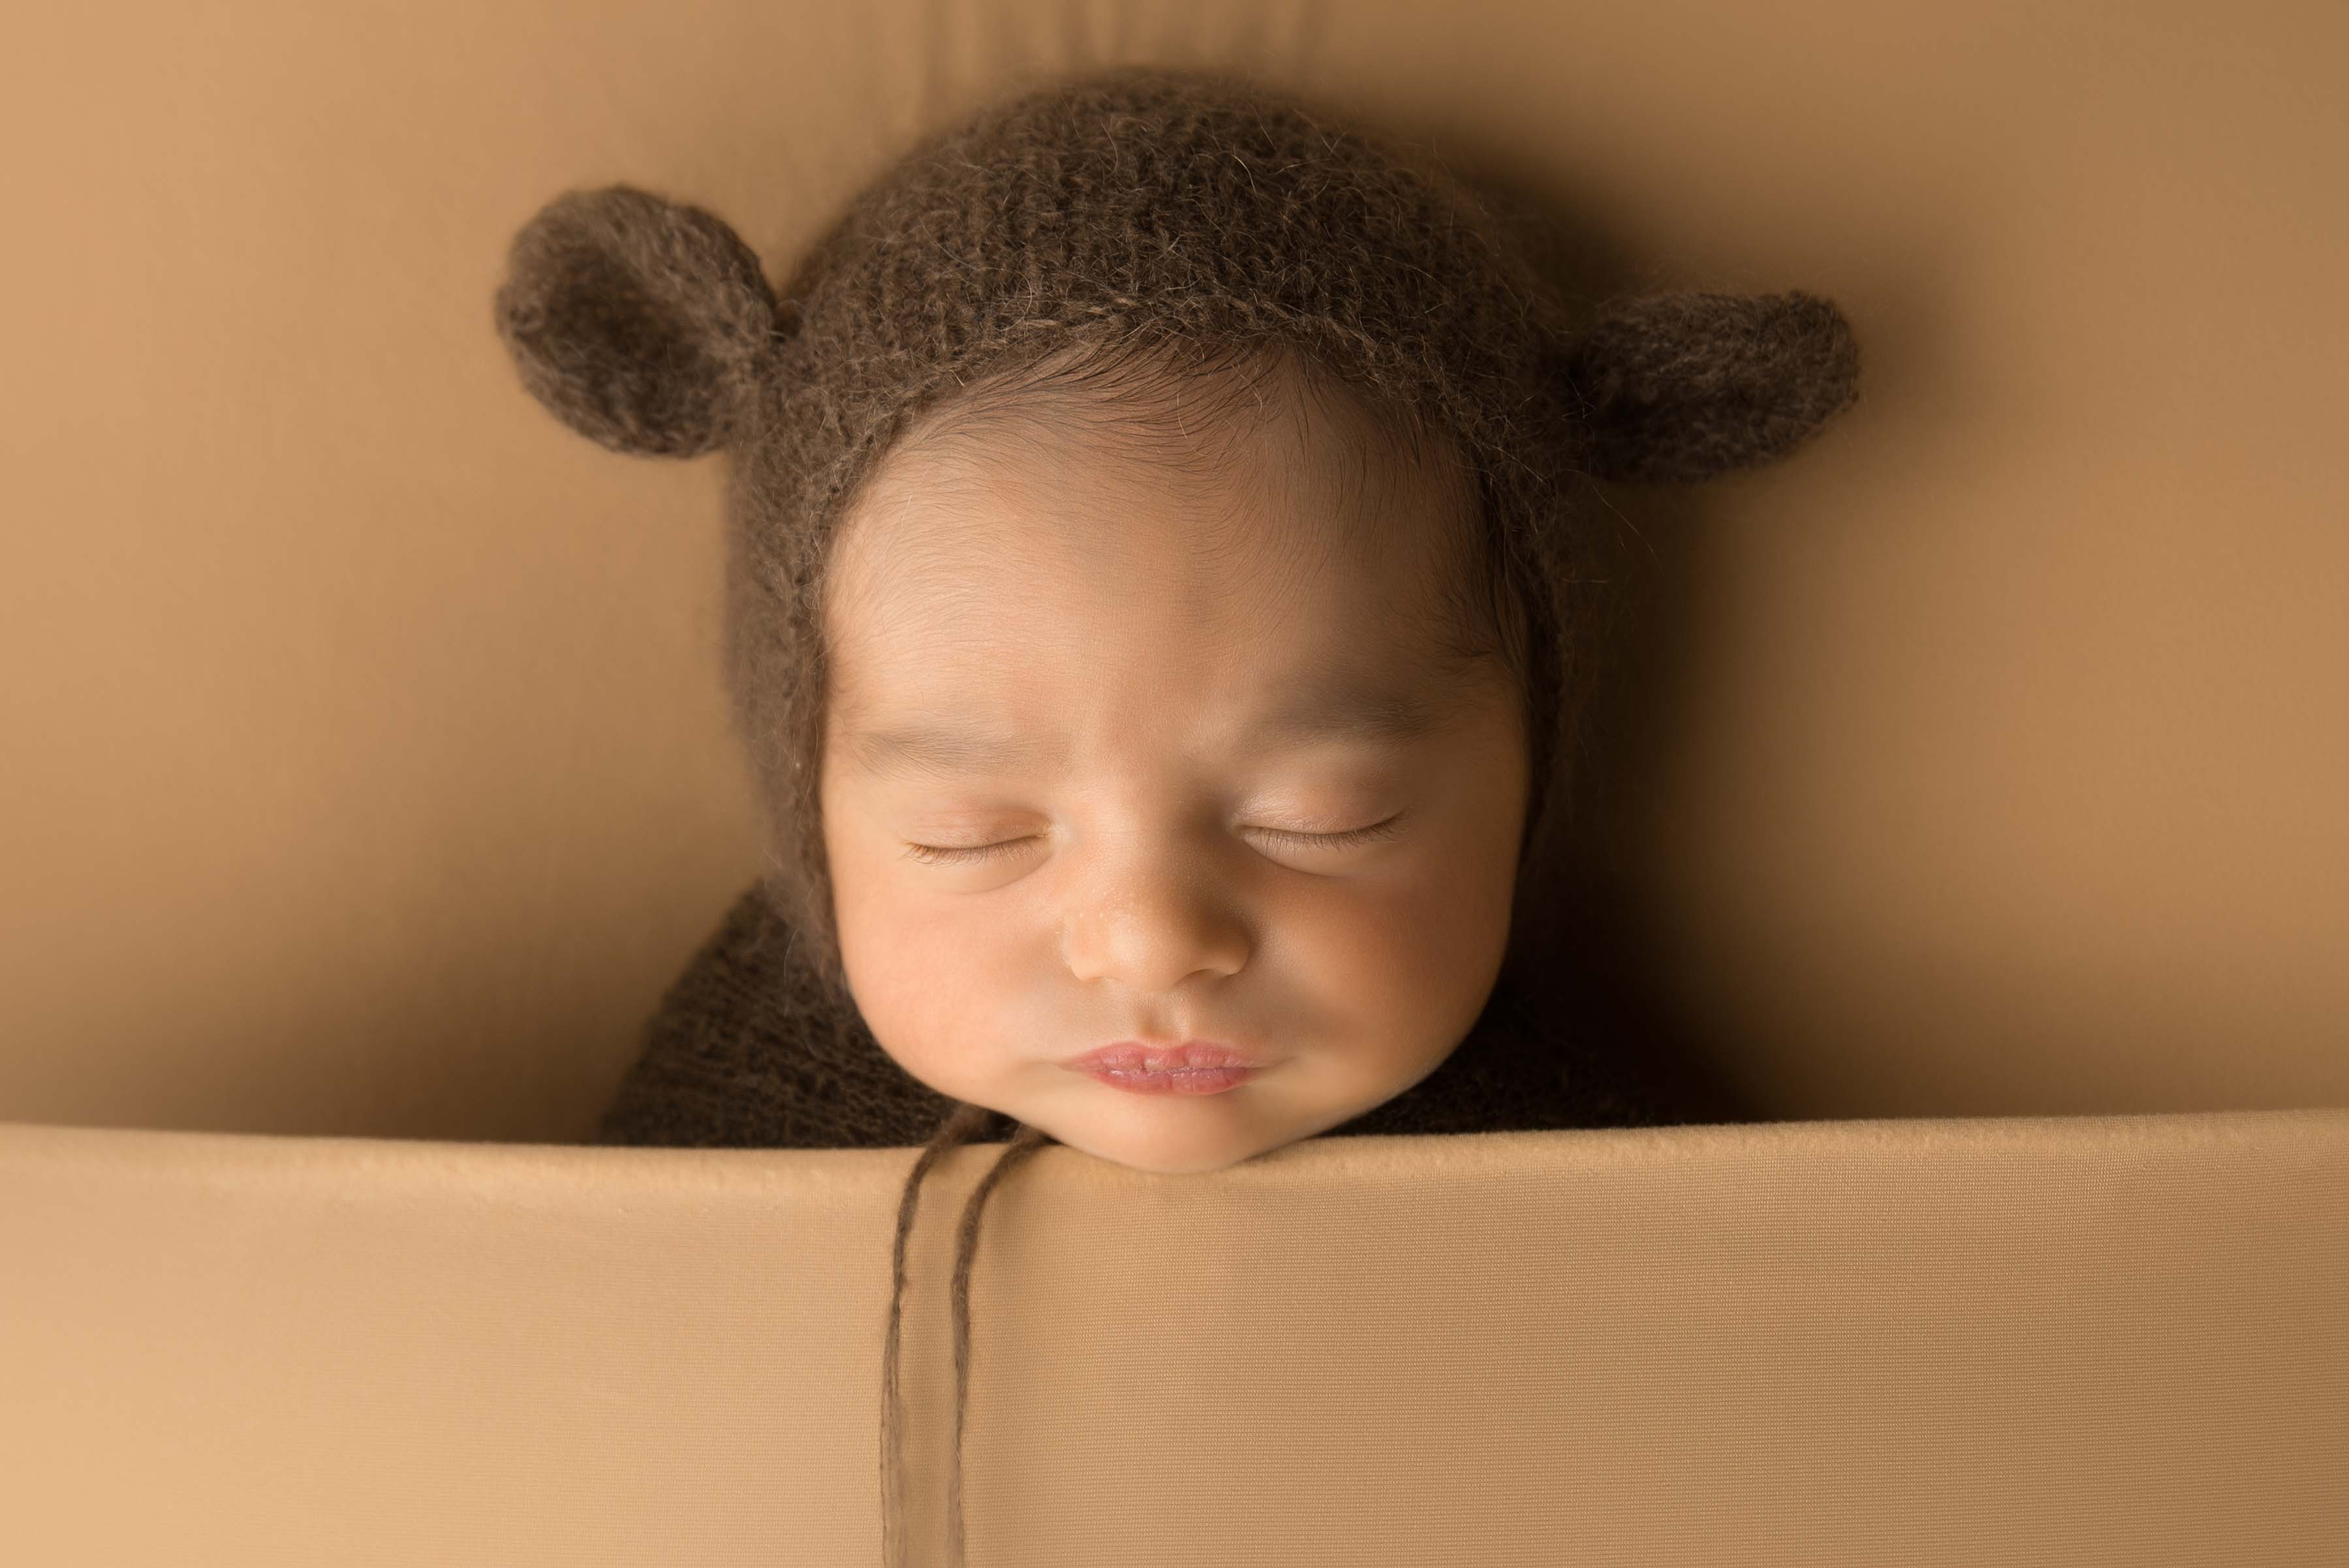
[1151, 934]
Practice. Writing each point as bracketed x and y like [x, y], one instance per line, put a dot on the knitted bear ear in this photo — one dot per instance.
[1681, 388]
[640, 322]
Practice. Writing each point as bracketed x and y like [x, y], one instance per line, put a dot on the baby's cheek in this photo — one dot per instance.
[1410, 953]
[1406, 979]
[920, 982]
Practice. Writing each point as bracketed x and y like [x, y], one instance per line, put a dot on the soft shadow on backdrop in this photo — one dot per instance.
[367, 770]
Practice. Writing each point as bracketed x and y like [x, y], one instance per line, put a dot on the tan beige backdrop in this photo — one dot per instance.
[366, 768]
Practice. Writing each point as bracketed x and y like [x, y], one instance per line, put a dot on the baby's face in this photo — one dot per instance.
[1073, 794]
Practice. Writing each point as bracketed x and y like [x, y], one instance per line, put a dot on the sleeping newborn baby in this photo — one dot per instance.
[1164, 589]
[1177, 765]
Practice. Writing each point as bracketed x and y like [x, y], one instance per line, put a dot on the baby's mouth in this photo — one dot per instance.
[1133, 1056]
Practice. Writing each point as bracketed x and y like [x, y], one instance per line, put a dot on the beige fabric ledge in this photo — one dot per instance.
[2066, 1341]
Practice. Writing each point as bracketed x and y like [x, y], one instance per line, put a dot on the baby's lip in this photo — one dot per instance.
[1132, 1056]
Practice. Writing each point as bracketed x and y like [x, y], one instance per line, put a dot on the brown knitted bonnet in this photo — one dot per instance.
[1175, 209]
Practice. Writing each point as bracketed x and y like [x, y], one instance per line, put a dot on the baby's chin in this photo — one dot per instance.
[1173, 1135]
[1162, 1162]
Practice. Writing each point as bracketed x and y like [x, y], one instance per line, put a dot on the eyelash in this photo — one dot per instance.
[930, 855]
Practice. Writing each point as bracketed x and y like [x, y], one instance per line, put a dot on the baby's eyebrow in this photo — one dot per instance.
[948, 747]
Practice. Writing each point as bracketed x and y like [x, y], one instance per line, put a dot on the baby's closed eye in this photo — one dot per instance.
[1298, 839]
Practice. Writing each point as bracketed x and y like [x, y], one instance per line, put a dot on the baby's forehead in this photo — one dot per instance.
[1009, 556]
[921, 679]
[1086, 520]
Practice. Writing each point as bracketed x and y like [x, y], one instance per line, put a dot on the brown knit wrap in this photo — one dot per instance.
[1180, 208]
